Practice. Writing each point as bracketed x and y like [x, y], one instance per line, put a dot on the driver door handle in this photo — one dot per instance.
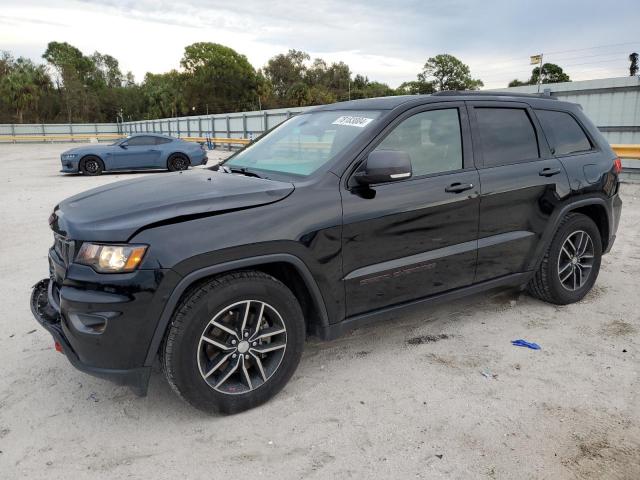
[549, 172]
[458, 187]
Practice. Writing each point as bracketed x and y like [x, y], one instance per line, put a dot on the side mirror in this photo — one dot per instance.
[124, 145]
[384, 166]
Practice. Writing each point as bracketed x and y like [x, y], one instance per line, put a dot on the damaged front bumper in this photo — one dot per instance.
[46, 310]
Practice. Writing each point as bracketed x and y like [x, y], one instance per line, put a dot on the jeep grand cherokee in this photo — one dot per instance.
[340, 216]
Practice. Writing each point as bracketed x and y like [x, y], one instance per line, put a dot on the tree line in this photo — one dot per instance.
[73, 87]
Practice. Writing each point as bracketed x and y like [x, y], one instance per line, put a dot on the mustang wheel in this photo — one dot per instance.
[234, 342]
[91, 166]
[177, 163]
[571, 263]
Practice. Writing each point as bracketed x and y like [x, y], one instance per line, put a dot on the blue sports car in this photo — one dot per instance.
[138, 152]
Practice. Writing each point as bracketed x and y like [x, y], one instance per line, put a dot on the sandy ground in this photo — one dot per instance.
[404, 399]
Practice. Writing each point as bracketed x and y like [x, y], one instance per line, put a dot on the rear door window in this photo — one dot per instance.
[564, 134]
[507, 135]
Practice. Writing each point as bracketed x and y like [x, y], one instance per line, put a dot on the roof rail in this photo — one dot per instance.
[487, 93]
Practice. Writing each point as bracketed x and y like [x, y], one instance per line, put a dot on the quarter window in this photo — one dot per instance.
[507, 135]
[432, 139]
[565, 135]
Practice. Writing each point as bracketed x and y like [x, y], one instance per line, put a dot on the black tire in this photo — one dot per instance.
[183, 348]
[91, 166]
[547, 283]
[177, 162]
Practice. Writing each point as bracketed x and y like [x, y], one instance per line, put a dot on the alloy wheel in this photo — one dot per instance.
[575, 260]
[91, 166]
[179, 163]
[242, 347]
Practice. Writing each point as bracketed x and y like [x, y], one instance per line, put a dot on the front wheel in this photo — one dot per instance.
[234, 342]
[91, 166]
[571, 263]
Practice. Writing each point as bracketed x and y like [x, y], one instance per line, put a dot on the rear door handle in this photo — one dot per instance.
[549, 172]
[458, 187]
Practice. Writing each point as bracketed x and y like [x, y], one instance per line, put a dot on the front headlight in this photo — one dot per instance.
[69, 156]
[111, 258]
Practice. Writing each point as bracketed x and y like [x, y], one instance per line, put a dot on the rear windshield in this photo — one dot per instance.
[306, 142]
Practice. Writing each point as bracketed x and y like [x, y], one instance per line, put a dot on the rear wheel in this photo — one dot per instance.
[91, 166]
[571, 263]
[177, 162]
[234, 342]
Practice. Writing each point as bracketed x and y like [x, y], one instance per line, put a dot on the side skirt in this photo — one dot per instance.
[333, 331]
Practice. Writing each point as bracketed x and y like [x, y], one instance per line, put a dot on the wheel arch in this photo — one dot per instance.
[287, 268]
[598, 213]
[594, 207]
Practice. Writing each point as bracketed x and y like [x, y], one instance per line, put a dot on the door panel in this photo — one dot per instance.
[139, 156]
[515, 205]
[142, 152]
[518, 194]
[410, 239]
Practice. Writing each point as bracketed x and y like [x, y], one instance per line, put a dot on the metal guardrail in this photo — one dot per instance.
[626, 151]
[622, 150]
[224, 141]
[78, 137]
[87, 137]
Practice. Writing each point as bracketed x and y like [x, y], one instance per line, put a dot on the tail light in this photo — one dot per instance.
[617, 166]
[58, 347]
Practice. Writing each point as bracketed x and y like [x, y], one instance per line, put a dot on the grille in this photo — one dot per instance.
[64, 248]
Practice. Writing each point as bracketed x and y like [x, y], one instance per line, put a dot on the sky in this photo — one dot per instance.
[387, 41]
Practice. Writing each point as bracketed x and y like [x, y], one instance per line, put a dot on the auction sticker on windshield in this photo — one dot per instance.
[359, 122]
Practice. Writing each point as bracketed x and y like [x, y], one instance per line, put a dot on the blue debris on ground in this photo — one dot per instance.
[523, 343]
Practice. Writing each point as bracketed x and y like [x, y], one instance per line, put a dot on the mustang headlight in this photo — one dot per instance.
[69, 156]
[111, 258]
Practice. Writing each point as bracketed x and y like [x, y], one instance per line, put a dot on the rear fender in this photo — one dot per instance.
[556, 218]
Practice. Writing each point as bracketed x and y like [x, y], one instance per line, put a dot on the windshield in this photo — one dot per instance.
[303, 144]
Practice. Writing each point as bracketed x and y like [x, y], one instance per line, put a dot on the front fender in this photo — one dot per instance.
[244, 263]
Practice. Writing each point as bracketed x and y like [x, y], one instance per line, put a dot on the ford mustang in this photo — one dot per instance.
[137, 152]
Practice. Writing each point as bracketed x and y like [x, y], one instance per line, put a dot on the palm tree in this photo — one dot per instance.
[23, 86]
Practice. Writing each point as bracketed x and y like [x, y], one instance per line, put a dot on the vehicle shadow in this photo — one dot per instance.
[114, 174]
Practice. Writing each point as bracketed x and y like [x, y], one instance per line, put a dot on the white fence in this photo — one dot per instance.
[229, 125]
[45, 129]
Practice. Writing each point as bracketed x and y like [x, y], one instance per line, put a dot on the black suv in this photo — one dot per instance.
[342, 215]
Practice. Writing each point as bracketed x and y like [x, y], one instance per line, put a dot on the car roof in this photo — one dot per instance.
[159, 135]
[389, 103]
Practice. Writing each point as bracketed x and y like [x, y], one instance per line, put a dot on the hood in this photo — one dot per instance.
[92, 148]
[117, 211]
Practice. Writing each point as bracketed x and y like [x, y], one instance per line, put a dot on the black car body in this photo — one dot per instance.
[350, 244]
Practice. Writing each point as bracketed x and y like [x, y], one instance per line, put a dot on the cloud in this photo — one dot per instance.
[22, 21]
[385, 40]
